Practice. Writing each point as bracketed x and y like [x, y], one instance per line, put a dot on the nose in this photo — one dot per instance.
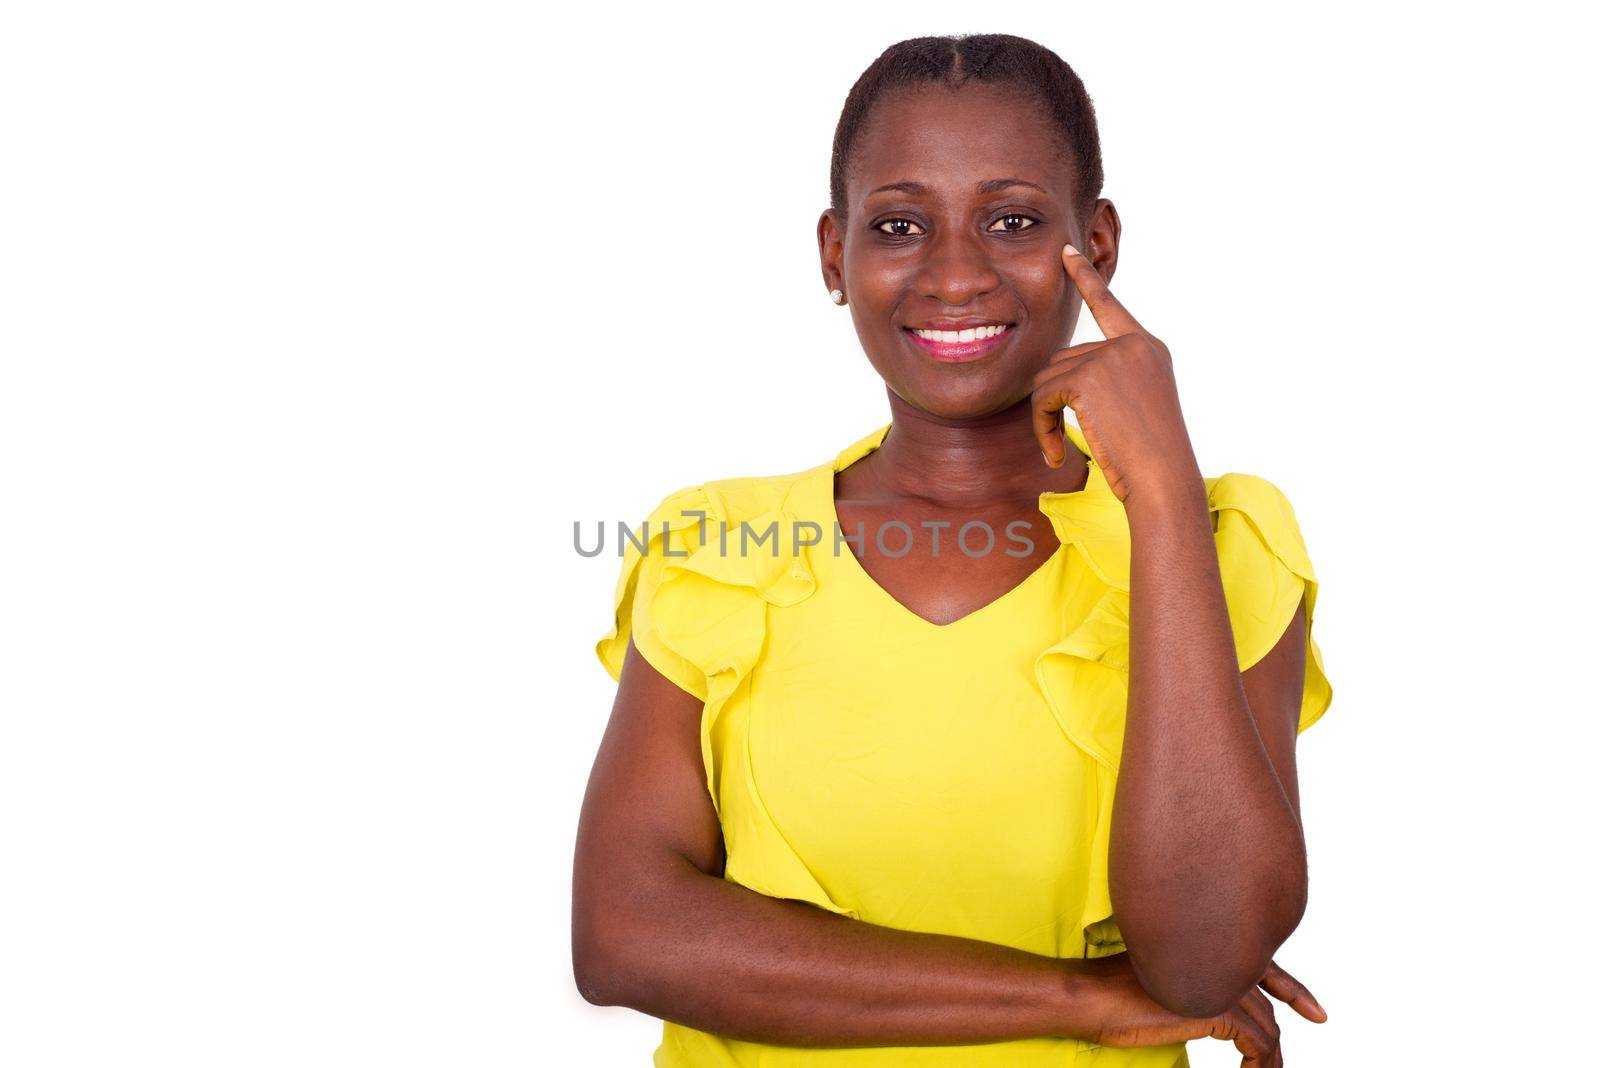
[956, 269]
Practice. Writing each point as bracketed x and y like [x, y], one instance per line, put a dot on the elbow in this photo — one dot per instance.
[1206, 977]
[596, 979]
[627, 945]
[1197, 995]
[602, 967]
[1200, 987]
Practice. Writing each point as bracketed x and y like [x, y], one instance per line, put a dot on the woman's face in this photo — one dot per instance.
[937, 234]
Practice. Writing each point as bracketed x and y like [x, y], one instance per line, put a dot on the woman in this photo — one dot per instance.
[870, 801]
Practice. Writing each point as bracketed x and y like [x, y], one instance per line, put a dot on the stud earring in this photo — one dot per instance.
[837, 295]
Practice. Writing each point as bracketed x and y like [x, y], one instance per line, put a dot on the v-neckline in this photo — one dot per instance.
[854, 564]
[830, 486]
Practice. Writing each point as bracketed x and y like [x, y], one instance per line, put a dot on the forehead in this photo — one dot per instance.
[952, 139]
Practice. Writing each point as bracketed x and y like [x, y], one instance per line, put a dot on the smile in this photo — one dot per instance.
[955, 346]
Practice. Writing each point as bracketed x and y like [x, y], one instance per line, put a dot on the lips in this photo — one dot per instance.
[960, 345]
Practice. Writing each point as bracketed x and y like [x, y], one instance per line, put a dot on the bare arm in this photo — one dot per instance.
[656, 927]
[1208, 863]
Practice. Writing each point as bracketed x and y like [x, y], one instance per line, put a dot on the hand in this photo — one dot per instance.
[1132, 1018]
[1123, 393]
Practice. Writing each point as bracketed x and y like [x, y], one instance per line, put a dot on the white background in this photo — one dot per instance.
[324, 321]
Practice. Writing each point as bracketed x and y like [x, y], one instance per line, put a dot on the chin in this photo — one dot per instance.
[979, 400]
[955, 391]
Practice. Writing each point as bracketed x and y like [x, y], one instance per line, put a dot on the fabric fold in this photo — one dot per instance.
[1266, 571]
[695, 601]
[660, 538]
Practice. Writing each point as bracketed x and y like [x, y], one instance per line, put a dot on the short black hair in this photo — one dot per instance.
[999, 59]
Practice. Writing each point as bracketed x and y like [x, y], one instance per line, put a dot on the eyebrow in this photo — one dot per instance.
[993, 185]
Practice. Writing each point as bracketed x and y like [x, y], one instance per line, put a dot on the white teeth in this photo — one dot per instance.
[956, 337]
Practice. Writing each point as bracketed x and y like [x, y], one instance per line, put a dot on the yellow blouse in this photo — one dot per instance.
[951, 778]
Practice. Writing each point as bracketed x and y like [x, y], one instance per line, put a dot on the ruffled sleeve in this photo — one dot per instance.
[695, 600]
[1265, 572]
[696, 603]
[671, 532]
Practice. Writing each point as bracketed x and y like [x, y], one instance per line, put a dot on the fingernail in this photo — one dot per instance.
[1073, 251]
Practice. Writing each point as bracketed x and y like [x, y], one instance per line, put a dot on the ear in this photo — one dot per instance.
[830, 246]
[1104, 238]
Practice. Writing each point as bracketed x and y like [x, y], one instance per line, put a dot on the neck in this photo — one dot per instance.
[968, 461]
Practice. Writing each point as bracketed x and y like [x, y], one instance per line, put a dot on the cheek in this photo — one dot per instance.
[882, 298]
[876, 268]
[1043, 283]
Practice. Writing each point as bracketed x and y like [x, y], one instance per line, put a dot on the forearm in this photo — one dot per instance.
[716, 956]
[1207, 859]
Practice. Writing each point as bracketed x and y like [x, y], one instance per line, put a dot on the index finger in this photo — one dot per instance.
[1286, 988]
[1113, 319]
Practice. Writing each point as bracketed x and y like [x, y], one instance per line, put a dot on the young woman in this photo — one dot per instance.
[894, 733]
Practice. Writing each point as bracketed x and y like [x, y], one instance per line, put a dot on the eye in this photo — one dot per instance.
[899, 223]
[1025, 221]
